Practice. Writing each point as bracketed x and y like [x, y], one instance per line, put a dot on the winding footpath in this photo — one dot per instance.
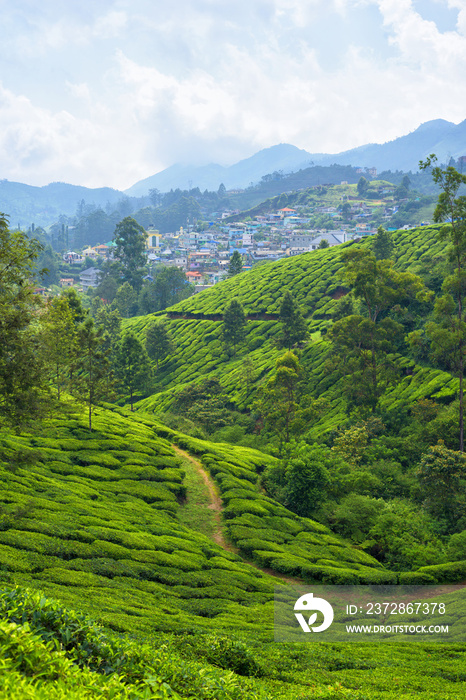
[216, 506]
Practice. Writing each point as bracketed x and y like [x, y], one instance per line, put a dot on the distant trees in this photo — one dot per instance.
[169, 286]
[236, 264]
[234, 324]
[294, 327]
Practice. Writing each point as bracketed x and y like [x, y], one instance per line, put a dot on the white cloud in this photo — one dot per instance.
[110, 92]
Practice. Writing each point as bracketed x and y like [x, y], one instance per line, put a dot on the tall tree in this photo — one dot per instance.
[236, 264]
[59, 338]
[91, 367]
[382, 244]
[22, 376]
[159, 342]
[278, 400]
[234, 324]
[361, 342]
[126, 300]
[132, 367]
[363, 186]
[130, 250]
[294, 327]
[449, 333]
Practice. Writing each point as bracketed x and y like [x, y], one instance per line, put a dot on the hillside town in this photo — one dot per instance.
[202, 250]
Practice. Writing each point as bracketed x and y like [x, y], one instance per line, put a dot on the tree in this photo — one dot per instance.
[91, 366]
[236, 264]
[22, 375]
[346, 211]
[59, 337]
[126, 300]
[306, 477]
[277, 400]
[132, 366]
[294, 327]
[234, 324]
[442, 478]
[130, 250]
[108, 322]
[382, 244]
[448, 334]
[158, 341]
[361, 342]
[363, 186]
[169, 287]
[324, 244]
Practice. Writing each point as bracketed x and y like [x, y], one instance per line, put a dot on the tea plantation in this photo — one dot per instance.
[91, 519]
[122, 575]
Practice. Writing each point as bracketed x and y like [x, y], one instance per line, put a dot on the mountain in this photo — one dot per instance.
[404, 153]
[443, 138]
[27, 204]
[282, 157]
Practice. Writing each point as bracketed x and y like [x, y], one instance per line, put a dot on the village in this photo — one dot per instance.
[202, 250]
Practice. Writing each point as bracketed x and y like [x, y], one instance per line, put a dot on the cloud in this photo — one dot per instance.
[111, 92]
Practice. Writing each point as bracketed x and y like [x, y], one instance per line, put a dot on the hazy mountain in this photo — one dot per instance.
[26, 204]
[438, 136]
[282, 157]
[443, 138]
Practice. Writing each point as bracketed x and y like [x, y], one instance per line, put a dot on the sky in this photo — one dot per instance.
[108, 92]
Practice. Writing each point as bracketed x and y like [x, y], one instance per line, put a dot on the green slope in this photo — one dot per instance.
[315, 280]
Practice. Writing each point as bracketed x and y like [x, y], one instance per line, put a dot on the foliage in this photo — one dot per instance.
[294, 328]
[278, 399]
[442, 475]
[130, 246]
[234, 324]
[170, 286]
[126, 300]
[361, 342]
[235, 265]
[382, 244]
[22, 376]
[449, 334]
[158, 341]
[132, 368]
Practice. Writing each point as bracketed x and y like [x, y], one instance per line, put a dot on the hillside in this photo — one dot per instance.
[316, 282]
[173, 532]
[94, 520]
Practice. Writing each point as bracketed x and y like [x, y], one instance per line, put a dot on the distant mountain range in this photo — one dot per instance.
[441, 137]
[25, 204]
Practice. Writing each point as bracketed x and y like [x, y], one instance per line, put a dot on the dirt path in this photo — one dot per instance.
[215, 500]
[216, 506]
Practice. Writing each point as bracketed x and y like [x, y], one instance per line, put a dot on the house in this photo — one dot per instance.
[66, 282]
[90, 253]
[332, 238]
[90, 277]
